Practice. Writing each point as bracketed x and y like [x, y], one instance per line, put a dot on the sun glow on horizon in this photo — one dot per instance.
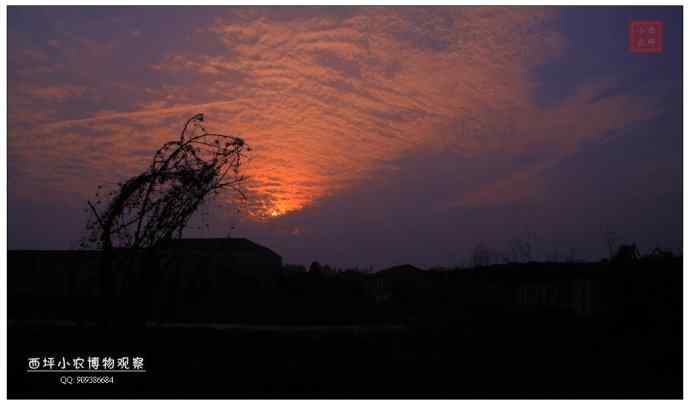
[272, 210]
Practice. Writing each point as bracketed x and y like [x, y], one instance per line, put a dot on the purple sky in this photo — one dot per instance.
[380, 135]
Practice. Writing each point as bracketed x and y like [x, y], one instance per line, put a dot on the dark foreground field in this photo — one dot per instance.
[494, 358]
[625, 343]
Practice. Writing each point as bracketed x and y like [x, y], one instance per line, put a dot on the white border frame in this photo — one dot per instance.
[3, 152]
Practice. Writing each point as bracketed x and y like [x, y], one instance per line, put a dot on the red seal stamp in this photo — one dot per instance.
[646, 36]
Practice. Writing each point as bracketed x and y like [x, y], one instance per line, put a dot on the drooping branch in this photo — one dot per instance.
[157, 204]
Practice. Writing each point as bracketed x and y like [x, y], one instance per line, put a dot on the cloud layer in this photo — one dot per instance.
[329, 99]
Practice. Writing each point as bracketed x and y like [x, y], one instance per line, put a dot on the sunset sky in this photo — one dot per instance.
[379, 135]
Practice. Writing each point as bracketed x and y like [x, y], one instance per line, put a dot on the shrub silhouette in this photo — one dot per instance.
[157, 204]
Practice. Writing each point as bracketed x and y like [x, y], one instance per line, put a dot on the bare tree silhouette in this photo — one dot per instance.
[155, 206]
[481, 256]
[611, 243]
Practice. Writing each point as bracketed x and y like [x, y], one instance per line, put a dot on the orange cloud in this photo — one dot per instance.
[56, 92]
[326, 100]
